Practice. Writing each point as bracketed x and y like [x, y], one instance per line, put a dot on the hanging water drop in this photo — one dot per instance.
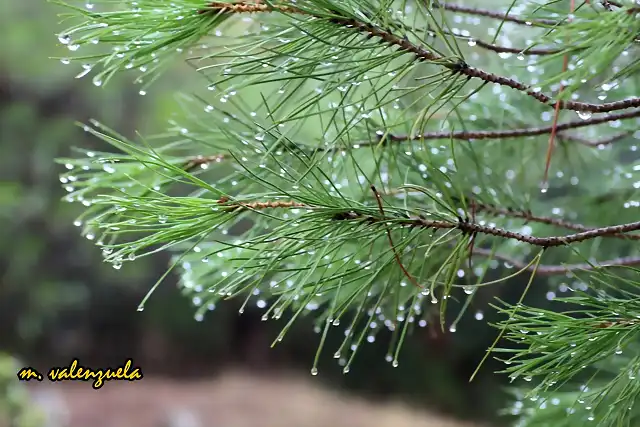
[584, 115]
[314, 371]
[117, 265]
[395, 363]
[140, 308]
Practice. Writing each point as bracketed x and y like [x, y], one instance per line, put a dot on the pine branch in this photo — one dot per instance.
[421, 54]
[462, 225]
[341, 100]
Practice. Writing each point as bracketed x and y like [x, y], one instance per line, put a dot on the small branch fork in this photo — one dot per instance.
[422, 54]
[528, 216]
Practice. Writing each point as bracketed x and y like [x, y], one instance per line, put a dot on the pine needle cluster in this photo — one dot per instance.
[377, 163]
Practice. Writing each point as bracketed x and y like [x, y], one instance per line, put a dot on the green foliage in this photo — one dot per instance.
[353, 161]
[16, 409]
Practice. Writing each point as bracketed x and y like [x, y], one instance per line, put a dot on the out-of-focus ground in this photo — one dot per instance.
[234, 399]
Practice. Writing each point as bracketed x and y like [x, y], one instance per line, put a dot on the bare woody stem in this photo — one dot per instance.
[492, 14]
[464, 226]
[204, 161]
[552, 270]
[421, 54]
[528, 216]
[516, 133]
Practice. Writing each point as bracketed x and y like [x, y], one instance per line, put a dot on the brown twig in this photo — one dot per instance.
[598, 143]
[513, 133]
[552, 136]
[528, 216]
[466, 227]
[421, 54]
[393, 248]
[551, 270]
[503, 49]
[203, 161]
[492, 14]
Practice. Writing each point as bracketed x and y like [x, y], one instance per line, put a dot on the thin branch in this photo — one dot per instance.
[554, 130]
[492, 14]
[526, 215]
[459, 67]
[599, 143]
[462, 225]
[503, 49]
[513, 133]
[203, 161]
[552, 270]
[393, 247]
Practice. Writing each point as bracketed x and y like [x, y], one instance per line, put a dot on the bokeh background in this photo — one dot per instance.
[58, 300]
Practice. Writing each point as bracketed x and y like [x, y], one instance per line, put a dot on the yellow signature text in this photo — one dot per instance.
[76, 372]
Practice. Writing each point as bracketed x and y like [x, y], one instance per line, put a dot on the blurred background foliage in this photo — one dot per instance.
[58, 300]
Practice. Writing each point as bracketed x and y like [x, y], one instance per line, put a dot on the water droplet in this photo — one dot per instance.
[314, 371]
[584, 115]
[452, 328]
[140, 308]
[162, 219]
[472, 42]
[77, 223]
[394, 363]
[64, 38]
[73, 47]
[117, 265]
[132, 257]
[143, 92]
[345, 370]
